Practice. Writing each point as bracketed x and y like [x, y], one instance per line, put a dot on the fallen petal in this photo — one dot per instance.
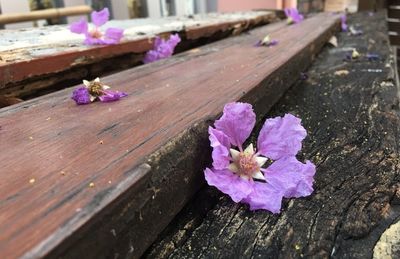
[79, 27]
[237, 122]
[227, 182]
[292, 177]
[101, 17]
[281, 137]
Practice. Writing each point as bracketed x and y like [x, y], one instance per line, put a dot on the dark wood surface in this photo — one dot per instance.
[353, 123]
[144, 154]
[52, 57]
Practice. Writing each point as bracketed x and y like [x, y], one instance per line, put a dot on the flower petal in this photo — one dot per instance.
[264, 196]
[343, 19]
[220, 144]
[79, 27]
[113, 35]
[110, 96]
[281, 137]
[237, 122]
[174, 39]
[81, 95]
[229, 183]
[89, 40]
[294, 178]
[151, 56]
[162, 49]
[101, 17]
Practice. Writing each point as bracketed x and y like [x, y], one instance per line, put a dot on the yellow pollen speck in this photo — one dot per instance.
[32, 181]
[91, 185]
[297, 247]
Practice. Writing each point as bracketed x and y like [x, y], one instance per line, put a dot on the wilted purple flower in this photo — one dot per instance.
[343, 19]
[293, 15]
[81, 95]
[373, 57]
[240, 172]
[266, 42]
[93, 90]
[162, 48]
[95, 36]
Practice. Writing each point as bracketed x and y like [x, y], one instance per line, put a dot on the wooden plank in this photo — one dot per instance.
[44, 14]
[353, 123]
[394, 26]
[27, 54]
[393, 13]
[163, 122]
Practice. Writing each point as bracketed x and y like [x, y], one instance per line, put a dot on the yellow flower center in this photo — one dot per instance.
[247, 164]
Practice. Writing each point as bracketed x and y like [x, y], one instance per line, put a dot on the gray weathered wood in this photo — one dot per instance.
[353, 123]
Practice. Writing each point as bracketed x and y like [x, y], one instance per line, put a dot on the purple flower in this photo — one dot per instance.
[162, 48]
[95, 36]
[373, 57]
[81, 95]
[343, 19]
[93, 90]
[293, 15]
[240, 173]
[266, 42]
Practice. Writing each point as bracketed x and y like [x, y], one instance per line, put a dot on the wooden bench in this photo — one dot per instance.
[51, 58]
[353, 123]
[103, 180]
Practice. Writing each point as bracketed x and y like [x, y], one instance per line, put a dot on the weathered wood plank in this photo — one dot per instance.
[353, 123]
[65, 147]
[27, 54]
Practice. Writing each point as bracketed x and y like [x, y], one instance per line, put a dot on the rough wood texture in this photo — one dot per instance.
[353, 123]
[163, 121]
[36, 59]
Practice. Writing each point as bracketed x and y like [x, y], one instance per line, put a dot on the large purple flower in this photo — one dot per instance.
[293, 15]
[95, 36]
[162, 48]
[240, 172]
[93, 90]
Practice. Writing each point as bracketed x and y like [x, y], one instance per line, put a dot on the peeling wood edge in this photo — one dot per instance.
[94, 54]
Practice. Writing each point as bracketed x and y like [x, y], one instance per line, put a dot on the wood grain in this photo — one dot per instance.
[163, 122]
[353, 123]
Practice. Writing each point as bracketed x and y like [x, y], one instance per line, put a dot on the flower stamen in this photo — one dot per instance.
[247, 164]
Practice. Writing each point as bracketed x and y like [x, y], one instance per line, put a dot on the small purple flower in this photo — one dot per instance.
[343, 19]
[373, 57]
[266, 42]
[93, 90]
[293, 15]
[81, 96]
[162, 48]
[95, 36]
[240, 172]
